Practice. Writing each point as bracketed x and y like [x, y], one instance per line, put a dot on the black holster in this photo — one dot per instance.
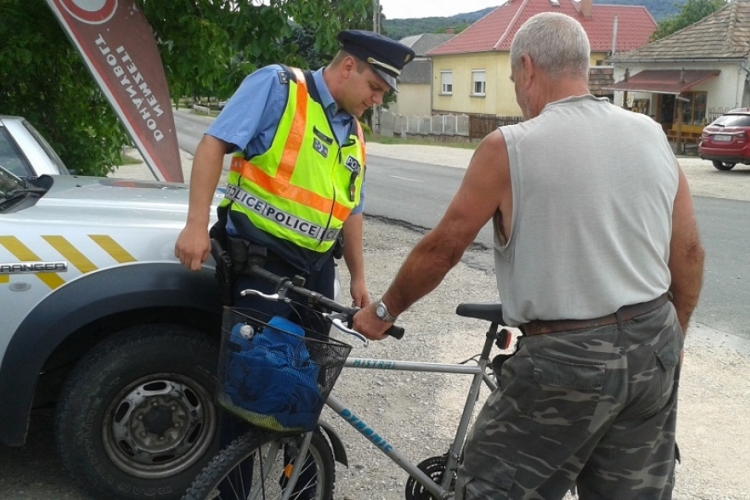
[224, 274]
[338, 247]
[245, 255]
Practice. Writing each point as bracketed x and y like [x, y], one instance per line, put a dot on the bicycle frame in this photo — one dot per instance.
[479, 375]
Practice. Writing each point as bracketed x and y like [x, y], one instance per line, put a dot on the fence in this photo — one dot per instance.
[714, 113]
[461, 125]
[481, 125]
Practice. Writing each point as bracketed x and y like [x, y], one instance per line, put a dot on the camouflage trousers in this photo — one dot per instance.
[592, 408]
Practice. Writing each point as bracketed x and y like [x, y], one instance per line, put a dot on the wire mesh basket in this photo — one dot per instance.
[273, 373]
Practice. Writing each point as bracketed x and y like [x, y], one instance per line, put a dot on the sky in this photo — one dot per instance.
[402, 9]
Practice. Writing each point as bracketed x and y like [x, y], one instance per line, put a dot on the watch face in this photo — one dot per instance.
[380, 311]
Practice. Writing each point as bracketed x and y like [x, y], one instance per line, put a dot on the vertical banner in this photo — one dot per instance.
[118, 46]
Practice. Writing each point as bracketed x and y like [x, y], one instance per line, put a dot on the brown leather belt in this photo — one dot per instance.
[625, 313]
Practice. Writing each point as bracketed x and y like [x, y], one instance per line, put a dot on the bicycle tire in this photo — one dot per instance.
[244, 450]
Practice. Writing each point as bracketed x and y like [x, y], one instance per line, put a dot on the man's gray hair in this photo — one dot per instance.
[556, 43]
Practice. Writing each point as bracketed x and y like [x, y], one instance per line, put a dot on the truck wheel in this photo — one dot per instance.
[136, 416]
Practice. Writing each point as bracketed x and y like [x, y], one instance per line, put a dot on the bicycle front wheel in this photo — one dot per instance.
[257, 466]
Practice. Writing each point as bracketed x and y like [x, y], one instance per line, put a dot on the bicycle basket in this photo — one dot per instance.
[273, 373]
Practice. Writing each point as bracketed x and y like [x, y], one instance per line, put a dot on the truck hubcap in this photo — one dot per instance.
[158, 426]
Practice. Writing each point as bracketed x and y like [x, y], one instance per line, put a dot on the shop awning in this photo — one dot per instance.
[664, 81]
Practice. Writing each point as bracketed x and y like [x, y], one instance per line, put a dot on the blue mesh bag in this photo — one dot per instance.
[277, 375]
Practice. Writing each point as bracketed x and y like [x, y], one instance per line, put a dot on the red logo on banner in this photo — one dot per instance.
[91, 11]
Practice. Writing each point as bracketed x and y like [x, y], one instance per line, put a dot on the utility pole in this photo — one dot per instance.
[376, 28]
[376, 16]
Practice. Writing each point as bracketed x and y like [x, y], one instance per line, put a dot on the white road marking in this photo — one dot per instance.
[405, 178]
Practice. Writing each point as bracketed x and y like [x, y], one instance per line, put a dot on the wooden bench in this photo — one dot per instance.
[689, 140]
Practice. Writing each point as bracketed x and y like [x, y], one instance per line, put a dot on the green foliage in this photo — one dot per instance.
[45, 80]
[207, 47]
[400, 28]
[691, 12]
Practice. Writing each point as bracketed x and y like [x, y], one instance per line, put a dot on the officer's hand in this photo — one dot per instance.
[366, 323]
[359, 293]
[193, 247]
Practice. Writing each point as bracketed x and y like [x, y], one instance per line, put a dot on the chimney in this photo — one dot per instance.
[450, 31]
[586, 8]
[614, 36]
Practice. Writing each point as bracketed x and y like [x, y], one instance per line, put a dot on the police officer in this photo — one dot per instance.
[298, 167]
[297, 172]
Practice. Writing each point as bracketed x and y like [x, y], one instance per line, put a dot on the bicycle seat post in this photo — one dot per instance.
[491, 337]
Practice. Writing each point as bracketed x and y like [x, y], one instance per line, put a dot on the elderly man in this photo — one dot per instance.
[598, 261]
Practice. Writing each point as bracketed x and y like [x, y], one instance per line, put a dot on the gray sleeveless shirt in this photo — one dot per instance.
[593, 192]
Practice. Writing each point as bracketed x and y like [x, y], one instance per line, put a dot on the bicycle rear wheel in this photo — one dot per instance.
[235, 473]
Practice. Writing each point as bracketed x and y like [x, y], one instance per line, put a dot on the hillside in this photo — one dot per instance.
[400, 28]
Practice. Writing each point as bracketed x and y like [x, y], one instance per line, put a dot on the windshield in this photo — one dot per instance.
[733, 121]
[47, 148]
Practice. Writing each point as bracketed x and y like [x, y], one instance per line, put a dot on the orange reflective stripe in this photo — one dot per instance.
[296, 132]
[289, 191]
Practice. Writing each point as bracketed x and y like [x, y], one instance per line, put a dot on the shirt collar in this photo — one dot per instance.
[325, 95]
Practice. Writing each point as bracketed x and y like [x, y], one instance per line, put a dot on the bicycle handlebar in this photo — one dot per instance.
[286, 284]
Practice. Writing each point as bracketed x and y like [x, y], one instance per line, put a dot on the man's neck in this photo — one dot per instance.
[329, 76]
[556, 90]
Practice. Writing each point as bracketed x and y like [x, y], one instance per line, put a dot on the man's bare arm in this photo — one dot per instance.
[475, 202]
[686, 255]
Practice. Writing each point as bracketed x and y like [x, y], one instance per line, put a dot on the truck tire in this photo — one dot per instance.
[136, 417]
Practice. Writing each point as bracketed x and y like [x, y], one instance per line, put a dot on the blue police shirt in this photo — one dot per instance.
[250, 118]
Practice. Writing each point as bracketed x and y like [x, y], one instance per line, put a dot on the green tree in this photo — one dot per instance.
[691, 12]
[207, 47]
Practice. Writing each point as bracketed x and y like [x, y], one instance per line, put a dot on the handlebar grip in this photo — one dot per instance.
[396, 332]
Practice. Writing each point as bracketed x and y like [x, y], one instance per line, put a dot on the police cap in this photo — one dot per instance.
[386, 57]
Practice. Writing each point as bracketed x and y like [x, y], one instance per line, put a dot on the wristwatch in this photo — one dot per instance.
[381, 311]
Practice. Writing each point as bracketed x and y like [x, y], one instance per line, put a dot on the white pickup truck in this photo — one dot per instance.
[101, 320]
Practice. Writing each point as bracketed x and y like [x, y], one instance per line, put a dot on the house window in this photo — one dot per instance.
[478, 82]
[446, 82]
[694, 109]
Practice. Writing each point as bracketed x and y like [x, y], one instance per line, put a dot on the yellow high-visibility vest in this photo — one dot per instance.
[305, 186]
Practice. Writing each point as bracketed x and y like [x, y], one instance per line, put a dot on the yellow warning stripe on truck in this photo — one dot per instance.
[72, 254]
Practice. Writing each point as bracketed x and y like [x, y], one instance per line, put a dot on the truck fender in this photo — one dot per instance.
[89, 298]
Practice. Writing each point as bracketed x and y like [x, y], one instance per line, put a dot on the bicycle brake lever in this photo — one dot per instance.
[273, 296]
[342, 327]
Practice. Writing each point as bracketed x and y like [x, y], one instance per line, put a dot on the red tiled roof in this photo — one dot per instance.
[495, 31]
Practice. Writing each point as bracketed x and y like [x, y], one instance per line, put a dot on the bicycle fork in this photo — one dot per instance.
[256, 491]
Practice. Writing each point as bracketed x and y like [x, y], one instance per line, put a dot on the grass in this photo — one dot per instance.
[126, 159]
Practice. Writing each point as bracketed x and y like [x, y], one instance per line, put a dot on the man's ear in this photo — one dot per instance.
[528, 70]
[348, 65]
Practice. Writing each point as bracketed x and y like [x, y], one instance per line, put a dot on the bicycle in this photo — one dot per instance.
[283, 457]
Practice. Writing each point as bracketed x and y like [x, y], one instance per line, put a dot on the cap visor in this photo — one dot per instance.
[385, 76]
